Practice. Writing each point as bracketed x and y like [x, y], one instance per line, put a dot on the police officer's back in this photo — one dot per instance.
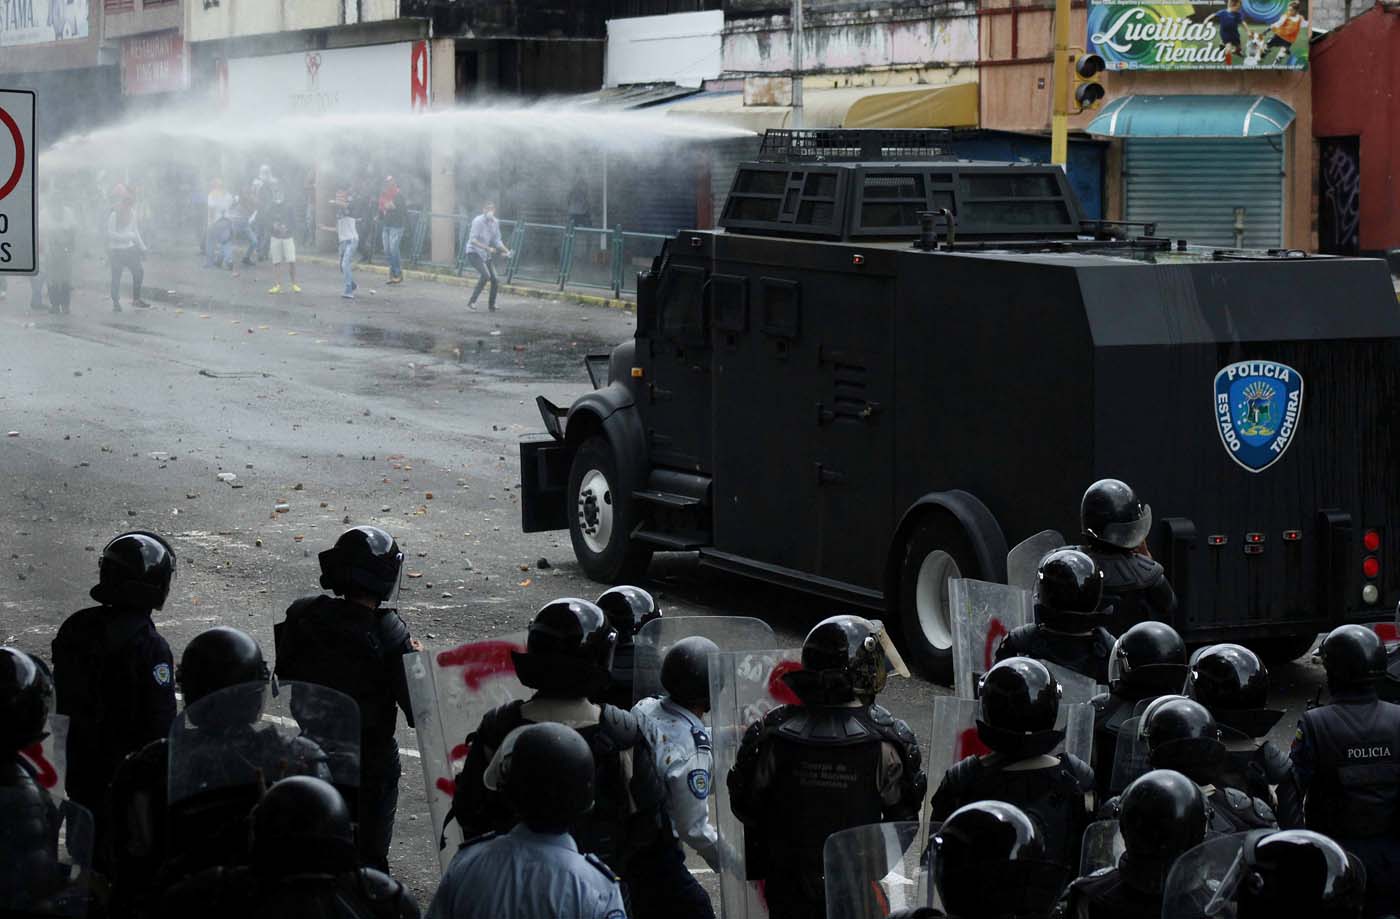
[1115, 525]
[1293, 873]
[628, 609]
[837, 761]
[352, 643]
[1148, 660]
[535, 869]
[990, 862]
[1162, 814]
[1068, 630]
[114, 674]
[1347, 758]
[304, 864]
[1019, 702]
[1232, 682]
[28, 817]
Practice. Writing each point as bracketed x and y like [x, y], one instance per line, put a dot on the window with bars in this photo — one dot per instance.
[119, 6]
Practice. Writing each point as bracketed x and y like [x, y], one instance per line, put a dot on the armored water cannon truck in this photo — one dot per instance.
[890, 364]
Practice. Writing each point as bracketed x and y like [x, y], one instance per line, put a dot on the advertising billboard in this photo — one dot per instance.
[33, 22]
[1217, 35]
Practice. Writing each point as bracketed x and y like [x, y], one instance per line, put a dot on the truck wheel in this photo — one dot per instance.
[1276, 651]
[936, 552]
[602, 516]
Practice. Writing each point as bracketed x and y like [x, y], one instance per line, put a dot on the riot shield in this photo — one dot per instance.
[744, 686]
[873, 870]
[1102, 847]
[48, 759]
[954, 737]
[450, 690]
[1076, 716]
[983, 614]
[46, 848]
[1023, 561]
[1204, 880]
[730, 633]
[1130, 758]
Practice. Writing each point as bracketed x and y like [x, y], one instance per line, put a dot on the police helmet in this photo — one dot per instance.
[1111, 514]
[1161, 815]
[546, 772]
[218, 658]
[1068, 589]
[1298, 873]
[990, 862]
[844, 659]
[364, 559]
[1354, 658]
[1182, 734]
[303, 824]
[26, 697]
[628, 609]
[1233, 683]
[1019, 701]
[569, 648]
[136, 570]
[685, 671]
[1149, 659]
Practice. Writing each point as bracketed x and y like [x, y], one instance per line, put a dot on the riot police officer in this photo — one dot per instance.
[990, 862]
[353, 643]
[1147, 661]
[837, 761]
[304, 863]
[1162, 814]
[659, 883]
[1115, 525]
[114, 675]
[567, 661]
[1232, 682]
[1019, 703]
[1068, 630]
[214, 659]
[628, 609]
[1299, 873]
[1347, 758]
[535, 870]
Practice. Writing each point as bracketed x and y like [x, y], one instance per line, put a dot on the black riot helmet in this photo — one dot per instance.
[135, 571]
[1161, 815]
[1068, 590]
[569, 648]
[628, 609]
[1233, 683]
[546, 773]
[1147, 660]
[363, 560]
[26, 697]
[1112, 516]
[685, 671]
[1298, 873]
[990, 862]
[1354, 658]
[218, 658]
[1019, 701]
[303, 825]
[1182, 735]
[845, 659]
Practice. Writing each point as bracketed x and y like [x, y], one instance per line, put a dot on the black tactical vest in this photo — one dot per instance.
[1054, 795]
[1086, 654]
[1105, 894]
[1134, 587]
[1355, 790]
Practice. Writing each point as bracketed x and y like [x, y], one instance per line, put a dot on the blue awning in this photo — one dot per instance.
[1192, 116]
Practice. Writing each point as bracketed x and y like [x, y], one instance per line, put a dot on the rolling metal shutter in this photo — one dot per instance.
[1191, 186]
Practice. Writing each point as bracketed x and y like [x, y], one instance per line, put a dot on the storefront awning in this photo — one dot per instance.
[1193, 116]
[952, 106]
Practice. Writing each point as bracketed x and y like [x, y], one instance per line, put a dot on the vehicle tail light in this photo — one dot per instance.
[1371, 567]
[1254, 539]
[1371, 541]
[1217, 540]
[1292, 535]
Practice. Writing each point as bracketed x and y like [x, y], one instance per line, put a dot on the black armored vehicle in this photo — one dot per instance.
[890, 365]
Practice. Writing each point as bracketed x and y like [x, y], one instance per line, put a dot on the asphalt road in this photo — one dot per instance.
[400, 409]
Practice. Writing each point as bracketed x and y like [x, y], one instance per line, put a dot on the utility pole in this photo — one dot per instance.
[1060, 91]
[797, 63]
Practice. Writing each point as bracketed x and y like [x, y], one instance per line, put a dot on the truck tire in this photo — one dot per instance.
[937, 551]
[1276, 651]
[602, 516]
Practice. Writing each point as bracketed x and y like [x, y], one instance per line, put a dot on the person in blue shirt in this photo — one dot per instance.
[1230, 20]
[534, 871]
[483, 243]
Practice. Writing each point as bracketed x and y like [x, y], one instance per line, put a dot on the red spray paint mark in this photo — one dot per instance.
[480, 659]
[969, 744]
[48, 775]
[995, 633]
[778, 688]
[447, 787]
[460, 751]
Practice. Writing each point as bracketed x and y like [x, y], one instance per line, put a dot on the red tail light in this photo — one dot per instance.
[1372, 540]
[1371, 566]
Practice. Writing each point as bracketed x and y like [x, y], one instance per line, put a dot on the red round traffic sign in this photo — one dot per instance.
[9, 122]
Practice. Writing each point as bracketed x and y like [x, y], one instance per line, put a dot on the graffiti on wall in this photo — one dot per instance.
[1339, 220]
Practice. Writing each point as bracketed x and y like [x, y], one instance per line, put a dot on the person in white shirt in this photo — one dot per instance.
[218, 229]
[348, 238]
[124, 247]
[483, 242]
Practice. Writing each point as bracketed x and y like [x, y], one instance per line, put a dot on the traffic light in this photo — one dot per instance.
[1088, 88]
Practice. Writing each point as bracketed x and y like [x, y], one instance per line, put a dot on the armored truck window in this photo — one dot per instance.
[892, 201]
[992, 201]
[682, 304]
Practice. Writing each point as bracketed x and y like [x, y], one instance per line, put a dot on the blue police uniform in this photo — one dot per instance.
[526, 875]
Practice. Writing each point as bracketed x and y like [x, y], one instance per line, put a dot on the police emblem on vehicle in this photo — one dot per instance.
[1258, 407]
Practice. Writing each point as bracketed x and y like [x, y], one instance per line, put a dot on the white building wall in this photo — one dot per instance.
[682, 48]
[853, 42]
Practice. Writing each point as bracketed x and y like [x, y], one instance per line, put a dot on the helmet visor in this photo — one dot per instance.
[894, 663]
[1129, 534]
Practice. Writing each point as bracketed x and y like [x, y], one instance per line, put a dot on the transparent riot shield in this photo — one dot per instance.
[46, 848]
[730, 633]
[983, 614]
[1076, 717]
[1023, 561]
[1130, 758]
[450, 690]
[1204, 881]
[954, 737]
[873, 870]
[744, 686]
[48, 759]
[1102, 847]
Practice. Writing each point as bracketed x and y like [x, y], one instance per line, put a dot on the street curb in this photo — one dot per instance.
[454, 280]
